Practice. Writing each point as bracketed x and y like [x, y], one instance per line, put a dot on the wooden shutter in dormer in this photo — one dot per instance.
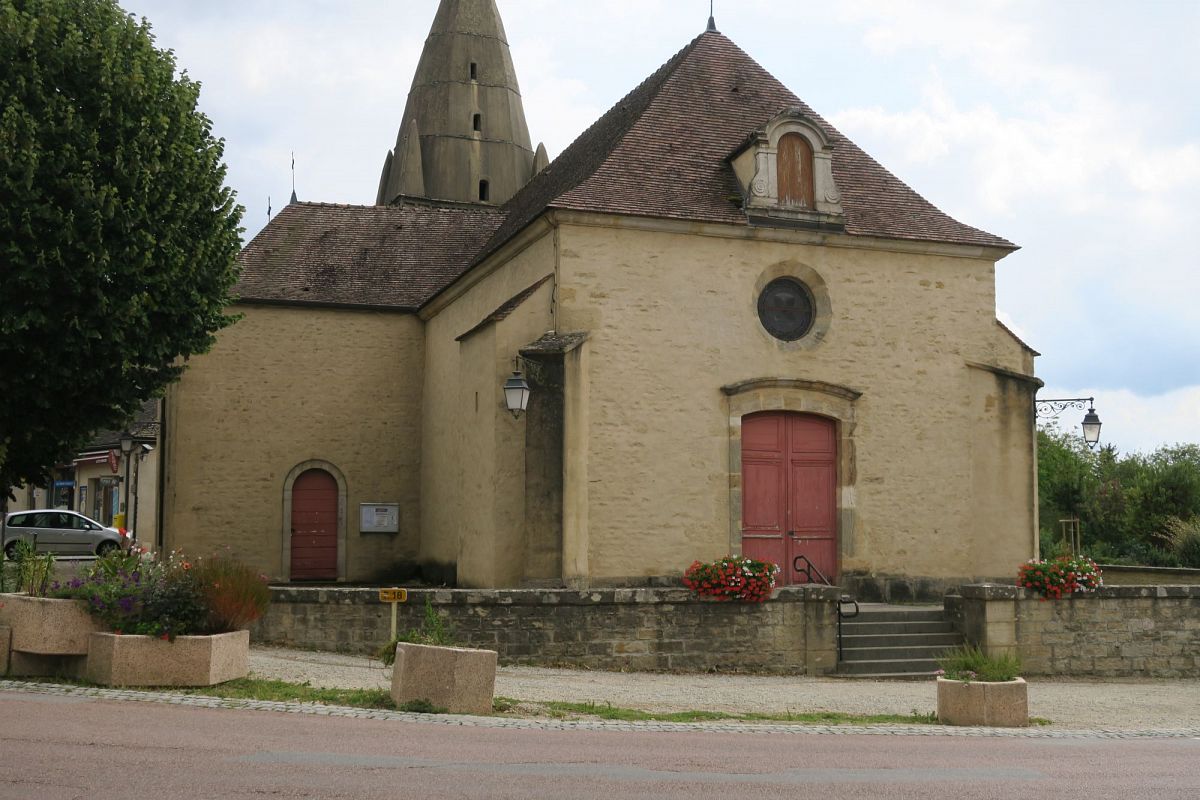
[795, 171]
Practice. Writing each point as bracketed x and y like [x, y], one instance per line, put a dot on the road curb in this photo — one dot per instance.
[313, 709]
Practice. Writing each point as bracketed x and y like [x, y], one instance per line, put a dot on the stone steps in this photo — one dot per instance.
[895, 642]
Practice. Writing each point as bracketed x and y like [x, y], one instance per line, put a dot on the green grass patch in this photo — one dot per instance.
[610, 712]
[285, 692]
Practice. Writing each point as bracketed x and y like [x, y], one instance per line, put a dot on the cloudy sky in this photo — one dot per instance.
[1071, 128]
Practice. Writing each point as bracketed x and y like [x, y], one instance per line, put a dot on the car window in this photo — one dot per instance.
[61, 521]
[75, 522]
[39, 521]
[19, 520]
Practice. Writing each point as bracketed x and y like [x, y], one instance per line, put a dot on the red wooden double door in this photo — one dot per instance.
[789, 491]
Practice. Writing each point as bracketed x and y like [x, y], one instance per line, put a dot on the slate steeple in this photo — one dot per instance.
[463, 136]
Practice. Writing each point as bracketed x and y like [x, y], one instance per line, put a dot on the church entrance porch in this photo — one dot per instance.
[789, 500]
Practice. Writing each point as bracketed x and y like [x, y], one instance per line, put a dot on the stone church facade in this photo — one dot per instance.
[741, 333]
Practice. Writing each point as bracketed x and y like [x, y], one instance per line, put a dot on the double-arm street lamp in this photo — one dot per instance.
[1050, 409]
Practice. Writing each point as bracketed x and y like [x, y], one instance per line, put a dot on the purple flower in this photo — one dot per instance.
[126, 604]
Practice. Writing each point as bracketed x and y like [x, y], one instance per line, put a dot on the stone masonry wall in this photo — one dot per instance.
[1146, 631]
[637, 629]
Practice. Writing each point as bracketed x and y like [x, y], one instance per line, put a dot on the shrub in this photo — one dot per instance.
[732, 578]
[1184, 539]
[968, 664]
[1062, 576]
[30, 571]
[434, 631]
[234, 594]
[173, 597]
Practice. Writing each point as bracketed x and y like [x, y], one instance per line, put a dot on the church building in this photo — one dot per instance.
[739, 334]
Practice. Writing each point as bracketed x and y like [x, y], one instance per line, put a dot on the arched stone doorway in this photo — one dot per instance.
[823, 447]
[314, 530]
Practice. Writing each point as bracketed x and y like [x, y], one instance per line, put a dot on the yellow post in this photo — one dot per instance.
[395, 597]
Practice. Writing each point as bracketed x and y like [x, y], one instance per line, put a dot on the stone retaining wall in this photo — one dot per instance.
[1147, 631]
[637, 629]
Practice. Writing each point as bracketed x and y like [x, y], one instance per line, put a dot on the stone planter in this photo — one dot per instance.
[45, 627]
[118, 660]
[979, 703]
[460, 681]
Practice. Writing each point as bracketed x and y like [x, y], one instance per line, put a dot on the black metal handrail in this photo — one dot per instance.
[809, 569]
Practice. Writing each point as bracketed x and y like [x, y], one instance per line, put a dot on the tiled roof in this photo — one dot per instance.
[143, 426]
[505, 309]
[663, 151]
[372, 256]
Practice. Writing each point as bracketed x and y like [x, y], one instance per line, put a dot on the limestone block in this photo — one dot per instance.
[459, 680]
[998, 705]
[48, 627]
[116, 660]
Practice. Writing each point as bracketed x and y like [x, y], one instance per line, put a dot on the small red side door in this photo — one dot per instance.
[789, 491]
[314, 527]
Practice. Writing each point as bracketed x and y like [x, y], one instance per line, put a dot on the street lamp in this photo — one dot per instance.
[1049, 409]
[126, 449]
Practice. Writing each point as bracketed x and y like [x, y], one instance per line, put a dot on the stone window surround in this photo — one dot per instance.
[822, 306]
[805, 397]
[762, 191]
[288, 482]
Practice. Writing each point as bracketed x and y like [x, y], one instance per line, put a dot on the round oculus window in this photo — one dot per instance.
[785, 309]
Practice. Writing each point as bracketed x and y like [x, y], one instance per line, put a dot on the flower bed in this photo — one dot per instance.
[173, 597]
[732, 578]
[1062, 576]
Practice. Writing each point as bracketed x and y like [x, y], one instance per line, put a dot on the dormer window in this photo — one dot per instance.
[786, 172]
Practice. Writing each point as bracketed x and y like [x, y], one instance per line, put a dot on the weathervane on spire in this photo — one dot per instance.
[294, 176]
[712, 17]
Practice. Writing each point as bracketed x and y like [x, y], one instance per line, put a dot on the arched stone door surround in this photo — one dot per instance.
[806, 397]
[288, 483]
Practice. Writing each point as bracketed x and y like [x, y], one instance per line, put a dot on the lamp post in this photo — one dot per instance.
[1050, 409]
[126, 451]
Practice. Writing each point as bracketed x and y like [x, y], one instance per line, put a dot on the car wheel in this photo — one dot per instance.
[105, 548]
[10, 549]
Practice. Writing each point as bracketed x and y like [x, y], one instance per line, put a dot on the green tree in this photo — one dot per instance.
[118, 237]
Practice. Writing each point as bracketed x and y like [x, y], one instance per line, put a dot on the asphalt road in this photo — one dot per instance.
[56, 747]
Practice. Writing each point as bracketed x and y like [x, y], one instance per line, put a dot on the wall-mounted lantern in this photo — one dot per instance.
[516, 393]
[1049, 409]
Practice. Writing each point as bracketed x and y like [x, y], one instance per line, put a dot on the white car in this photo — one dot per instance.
[62, 532]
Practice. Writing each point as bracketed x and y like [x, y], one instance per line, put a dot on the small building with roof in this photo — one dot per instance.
[741, 334]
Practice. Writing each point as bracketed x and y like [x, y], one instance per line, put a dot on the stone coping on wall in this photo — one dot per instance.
[991, 591]
[536, 597]
[1122, 574]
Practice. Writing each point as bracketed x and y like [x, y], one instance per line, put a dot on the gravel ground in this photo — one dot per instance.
[1101, 705]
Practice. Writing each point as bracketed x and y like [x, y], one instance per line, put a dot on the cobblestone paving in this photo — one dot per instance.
[311, 709]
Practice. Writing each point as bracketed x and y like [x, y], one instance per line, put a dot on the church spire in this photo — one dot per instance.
[463, 136]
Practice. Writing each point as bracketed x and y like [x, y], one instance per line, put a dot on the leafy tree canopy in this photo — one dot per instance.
[1135, 508]
[118, 237]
